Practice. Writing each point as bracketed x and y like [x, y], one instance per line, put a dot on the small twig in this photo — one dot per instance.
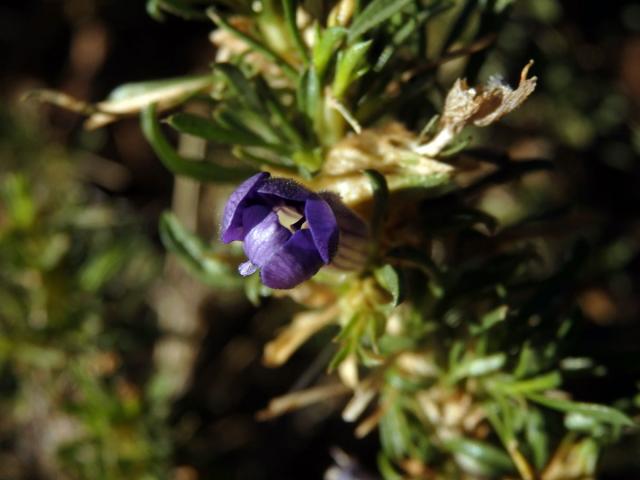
[292, 401]
[342, 110]
[61, 100]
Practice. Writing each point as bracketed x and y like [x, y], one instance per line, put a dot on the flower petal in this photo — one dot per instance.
[278, 189]
[324, 227]
[348, 221]
[232, 227]
[265, 239]
[247, 268]
[253, 215]
[297, 261]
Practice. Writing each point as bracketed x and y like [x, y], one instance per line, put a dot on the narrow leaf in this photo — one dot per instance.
[289, 7]
[348, 67]
[326, 47]
[391, 280]
[209, 130]
[599, 412]
[484, 365]
[483, 457]
[195, 255]
[179, 8]
[540, 383]
[199, 170]
[374, 14]
[240, 85]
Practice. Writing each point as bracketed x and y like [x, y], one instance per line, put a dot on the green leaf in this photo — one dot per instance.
[456, 147]
[480, 457]
[583, 423]
[309, 95]
[308, 160]
[254, 289]
[53, 251]
[389, 344]
[490, 319]
[209, 130]
[339, 357]
[349, 67]
[483, 365]
[199, 170]
[386, 468]
[596, 411]
[289, 7]
[406, 383]
[395, 435]
[18, 202]
[537, 437]
[240, 85]
[540, 383]
[326, 47]
[102, 268]
[179, 8]
[279, 113]
[154, 10]
[389, 278]
[237, 118]
[412, 25]
[195, 255]
[460, 25]
[374, 14]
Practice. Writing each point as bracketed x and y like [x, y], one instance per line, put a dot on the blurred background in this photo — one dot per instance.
[116, 363]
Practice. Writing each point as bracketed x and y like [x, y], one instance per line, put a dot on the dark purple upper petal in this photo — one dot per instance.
[232, 222]
[323, 225]
[297, 261]
[265, 239]
[283, 190]
[252, 216]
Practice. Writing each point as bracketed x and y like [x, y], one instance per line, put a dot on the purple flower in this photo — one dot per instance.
[289, 232]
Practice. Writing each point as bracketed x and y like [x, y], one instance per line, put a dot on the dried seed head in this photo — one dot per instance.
[481, 106]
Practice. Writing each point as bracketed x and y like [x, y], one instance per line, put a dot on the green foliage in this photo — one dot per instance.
[374, 14]
[461, 324]
[211, 268]
[72, 270]
[203, 171]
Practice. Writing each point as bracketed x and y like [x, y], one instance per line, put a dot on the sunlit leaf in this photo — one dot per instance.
[326, 48]
[209, 130]
[480, 457]
[602, 413]
[390, 279]
[349, 67]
